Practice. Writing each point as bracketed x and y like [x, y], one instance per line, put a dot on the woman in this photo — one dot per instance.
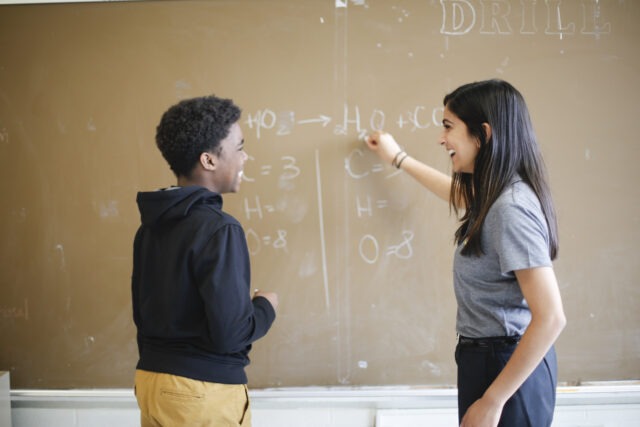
[509, 307]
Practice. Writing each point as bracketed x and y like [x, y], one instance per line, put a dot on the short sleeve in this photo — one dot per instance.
[519, 233]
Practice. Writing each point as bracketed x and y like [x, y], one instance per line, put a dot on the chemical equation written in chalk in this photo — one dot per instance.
[352, 119]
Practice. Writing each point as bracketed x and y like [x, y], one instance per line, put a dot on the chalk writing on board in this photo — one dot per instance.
[256, 209]
[322, 119]
[369, 248]
[287, 169]
[358, 171]
[280, 123]
[364, 206]
[490, 17]
[357, 166]
[402, 250]
[257, 243]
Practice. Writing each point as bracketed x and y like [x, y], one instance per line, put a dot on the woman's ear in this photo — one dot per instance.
[487, 131]
[208, 161]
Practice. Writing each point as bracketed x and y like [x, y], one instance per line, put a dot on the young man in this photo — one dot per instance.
[192, 307]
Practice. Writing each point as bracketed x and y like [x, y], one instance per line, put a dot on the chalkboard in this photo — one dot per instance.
[360, 255]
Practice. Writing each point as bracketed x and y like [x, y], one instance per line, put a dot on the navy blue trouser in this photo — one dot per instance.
[534, 402]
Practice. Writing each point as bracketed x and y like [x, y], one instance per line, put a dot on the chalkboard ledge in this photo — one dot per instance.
[599, 393]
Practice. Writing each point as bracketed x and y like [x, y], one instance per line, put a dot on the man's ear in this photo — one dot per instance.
[487, 130]
[208, 161]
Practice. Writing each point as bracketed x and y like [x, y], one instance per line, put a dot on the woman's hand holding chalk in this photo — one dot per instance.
[383, 144]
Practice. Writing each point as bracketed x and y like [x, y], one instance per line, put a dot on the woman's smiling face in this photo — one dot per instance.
[461, 146]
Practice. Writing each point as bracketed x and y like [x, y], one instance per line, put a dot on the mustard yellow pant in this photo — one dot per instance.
[168, 400]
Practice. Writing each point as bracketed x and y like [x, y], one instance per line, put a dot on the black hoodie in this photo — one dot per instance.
[191, 288]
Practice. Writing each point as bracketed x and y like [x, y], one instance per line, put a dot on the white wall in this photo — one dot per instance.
[590, 406]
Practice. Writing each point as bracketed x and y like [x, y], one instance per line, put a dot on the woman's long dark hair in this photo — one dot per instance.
[510, 151]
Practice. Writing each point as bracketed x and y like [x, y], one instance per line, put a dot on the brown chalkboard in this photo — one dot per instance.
[359, 254]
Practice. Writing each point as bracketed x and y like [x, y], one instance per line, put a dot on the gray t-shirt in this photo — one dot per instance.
[515, 236]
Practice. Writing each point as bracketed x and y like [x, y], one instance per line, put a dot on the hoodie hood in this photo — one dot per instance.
[173, 203]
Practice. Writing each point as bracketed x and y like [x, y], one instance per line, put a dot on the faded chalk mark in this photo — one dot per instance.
[108, 209]
[89, 341]
[60, 250]
[503, 65]
[4, 135]
[307, 266]
[16, 312]
[432, 367]
[182, 88]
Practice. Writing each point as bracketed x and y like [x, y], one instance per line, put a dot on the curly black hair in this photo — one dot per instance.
[192, 127]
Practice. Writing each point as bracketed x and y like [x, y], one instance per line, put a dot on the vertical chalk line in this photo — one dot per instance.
[321, 221]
